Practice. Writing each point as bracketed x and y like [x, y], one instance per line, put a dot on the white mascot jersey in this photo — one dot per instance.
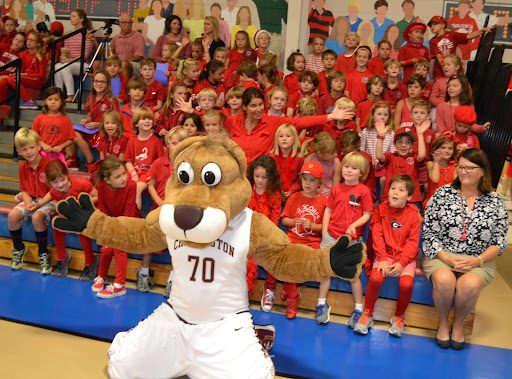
[209, 284]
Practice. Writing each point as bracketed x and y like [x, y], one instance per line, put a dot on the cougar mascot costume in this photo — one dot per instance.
[205, 329]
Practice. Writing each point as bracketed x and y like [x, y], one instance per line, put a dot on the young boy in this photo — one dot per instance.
[375, 87]
[248, 75]
[328, 62]
[395, 227]
[395, 90]
[376, 64]
[303, 214]
[118, 81]
[206, 100]
[413, 50]
[422, 68]
[135, 90]
[336, 87]
[155, 91]
[314, 60]
[33, 187]
[346, 62]
[357, 79]
[308, 82]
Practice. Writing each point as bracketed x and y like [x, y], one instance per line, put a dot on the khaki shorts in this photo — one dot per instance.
[487, 272]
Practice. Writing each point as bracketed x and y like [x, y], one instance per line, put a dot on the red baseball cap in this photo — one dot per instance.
[437, 20]
[56, 27]
[413, 26]
[465, 114]
[313, 168]
[405, 131]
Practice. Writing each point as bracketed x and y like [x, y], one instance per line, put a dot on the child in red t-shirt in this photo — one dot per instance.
[266, 199]
[346, 62]
[422, 68]
[375, 88]
[171, 114]
[116, 197]
[303, 214]
[247, 74]
[338, 127]
[277, 100]
[336, 87]
[308, 81]
[241, 52]
[376, 64]
[33, 187]
[187, 74]
[155, 91]
[8, 32]
[213, 123]
[328, 61]
[413, 50]
[395, 228]
[62, 187]
[465, 117]
[142, 150]
[452, 65]
[135, 90]
[213, 77]
[395, 89]
[357, 79]
[112, 139]
[234, 102]
[441, 169]
[197, 53]
[286, 153]
[296, 63]
[349, 208]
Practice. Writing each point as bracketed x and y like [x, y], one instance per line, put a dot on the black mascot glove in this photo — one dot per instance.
[74, 215]
[345, 258]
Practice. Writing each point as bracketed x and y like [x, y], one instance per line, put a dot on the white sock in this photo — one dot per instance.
[118, 285]
[359, 307]
[321, 302]
[144, 270]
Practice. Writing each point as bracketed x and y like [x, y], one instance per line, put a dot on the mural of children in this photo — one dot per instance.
[194, 22]
[230, 12]
[319, 20]
[409, 18]
[353, 15]
[43, 12]
[462, 22]
[244, 22]
[154, 24]
[392, 34]
[139, 14]
[6, 7]
[336, 40]
[380, 22]
[366, 34]
[224, 28]
[18, 13]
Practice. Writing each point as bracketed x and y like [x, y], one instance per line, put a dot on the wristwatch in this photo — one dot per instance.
[481, 260]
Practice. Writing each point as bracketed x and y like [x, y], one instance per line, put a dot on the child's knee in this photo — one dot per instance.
[39, 218]
[15, 216]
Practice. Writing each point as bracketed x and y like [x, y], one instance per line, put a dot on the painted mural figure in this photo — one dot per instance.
[319, 20]
[380, 22]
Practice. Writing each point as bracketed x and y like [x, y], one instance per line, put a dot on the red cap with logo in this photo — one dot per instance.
[465, 114]
[411, 27]
[313, 168]
[407, 131]
[437, 20]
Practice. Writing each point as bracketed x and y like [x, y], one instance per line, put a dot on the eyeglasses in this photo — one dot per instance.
[126, 22]
[467, 169]
[100, 81]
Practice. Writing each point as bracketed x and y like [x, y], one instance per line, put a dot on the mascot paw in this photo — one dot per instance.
[346, 261]
[73, 215]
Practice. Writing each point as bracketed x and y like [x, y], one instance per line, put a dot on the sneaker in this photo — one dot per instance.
[111, 291]
[98, 284]
[29, 104]
[267, 300]
[168, 287]
[364, 324]
[90, 271]
[397, 326]
[354, 319]
[45, 266]
[62, 267]
[144, 282]
[17, 258]
[266, 335]
[323, 314]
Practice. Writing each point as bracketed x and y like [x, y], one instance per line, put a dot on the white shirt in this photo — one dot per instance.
[230, 16]
[46, 8]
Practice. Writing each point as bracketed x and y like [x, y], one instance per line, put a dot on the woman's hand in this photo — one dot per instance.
[341, 114]
[395, 269]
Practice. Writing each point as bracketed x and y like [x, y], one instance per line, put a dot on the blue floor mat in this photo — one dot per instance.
[302, 348]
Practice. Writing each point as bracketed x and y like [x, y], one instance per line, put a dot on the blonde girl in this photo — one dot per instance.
[171, 114]
[277, 100]
[188, 72]
[112, 138]
[213, 123]
[452, 66]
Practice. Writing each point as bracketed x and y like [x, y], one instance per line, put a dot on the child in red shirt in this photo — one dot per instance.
[286, 153]
[349, 208]
[187, 74]
[155, 91]
[336, 87]
[118, 81]
[413, 50]
[116, 197]
[171, 115]
[376, 64]
[346, 62]
[452, 66]
[62, 187]
[241, 52]
[213, 77]
[266, 199]
[308, 107]
[296, 63]
[395, 89]
[402, 117]
[441, 169]
[303, 214]
[374, 87]
[112, 139]
[338, 127]
[33, 187]
[142, 150]
[422, 68]
[465, 117]
[197, 53]
[135, 90]
[277, 99]
[8, 32]
[234, 102]
[395, 228]
[357, 79]
[308, 82]
[329, 61]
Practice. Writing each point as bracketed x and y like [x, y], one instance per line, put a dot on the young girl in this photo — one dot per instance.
[240, 52]
[142, 150]
[346, 62]
[349, 208]
[116, 197]
[375, 88]
[402, 117]
[381, 112]
[266, 199]
[262, 43]
[197, 53]
[356, 87]
[296, 63]
[314, 60]
[286, 153]
[193, 124]
[376, 64]
[452, 66]
[171, 114]
[324, 151]
[338, 127]
[213, 123]
[62, 187]
[212, 77]
[267, 79]
[187, 74]
[112, 138]
[303, 214]
[33, 74]
[441, 169]
[464, 116]
[118, 82]
[277, 99]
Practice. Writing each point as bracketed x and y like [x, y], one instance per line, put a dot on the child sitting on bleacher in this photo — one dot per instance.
[135, 90]
[171, 114]
[155, 91]
[116, 197]
[395, 228]
[33, 187]
[112, 139]
[118, 81]
[62, 187]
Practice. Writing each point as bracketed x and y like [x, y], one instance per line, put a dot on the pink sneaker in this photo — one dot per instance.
[111, 291]
[98, 284]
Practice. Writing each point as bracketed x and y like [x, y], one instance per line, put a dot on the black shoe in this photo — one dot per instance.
[457, 345]
[443, 344]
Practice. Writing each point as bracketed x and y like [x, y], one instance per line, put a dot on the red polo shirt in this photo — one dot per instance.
[54, 129]
[97, 107]
[78, 185]
[345, 64]
[376, 65]
[356, 85]
[203, 84]
[33, 181]
[114, 146]
[394, 95]
[154, 91]
[117, 202]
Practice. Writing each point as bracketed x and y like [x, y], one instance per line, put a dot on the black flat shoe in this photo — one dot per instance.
[457, 345]
[443, 344]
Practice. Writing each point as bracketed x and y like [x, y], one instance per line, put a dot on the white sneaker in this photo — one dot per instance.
[267, 300]
[98, 284]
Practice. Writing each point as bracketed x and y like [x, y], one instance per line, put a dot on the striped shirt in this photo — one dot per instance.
[74, 45]
[314, 63]
[319, 24]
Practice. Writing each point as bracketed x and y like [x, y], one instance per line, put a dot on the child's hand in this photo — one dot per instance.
[57, 149]
[47, 148]
[31, 207]
[383, 268]
[299, 222]
[437, 156]
[377, 165]
[287, 194]
[423, 127]
[381, 128]
[487, 125]
[351, 231]
[395, 269]
[461, 147]
[84, 121]
[162, 132]
[134, 176]
[184, 106]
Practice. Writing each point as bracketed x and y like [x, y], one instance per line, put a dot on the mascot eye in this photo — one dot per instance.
[185, 173]
[211, 174]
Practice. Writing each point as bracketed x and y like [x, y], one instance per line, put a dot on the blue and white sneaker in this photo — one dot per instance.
[323, 314]
[354, 319]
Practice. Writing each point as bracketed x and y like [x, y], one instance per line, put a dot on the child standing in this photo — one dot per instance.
[395, 228]
[112, 139]
[395, 90]
[308, 82]
[349, 208]
[402, 118]
[413, 50]
[346, 62]
[286, 153]
[336, 88]
[451, 67]
[296, 63]
[33, 187]
[116, 197]
[241, 52]
[135, 90]
[441, 169]
[324, 152]
[357, 79]
[155, 91]
[376, 64]
[374, 87]
[464, 116]
[314, 60]
[303, 214]
[277, 101]
[328, 62]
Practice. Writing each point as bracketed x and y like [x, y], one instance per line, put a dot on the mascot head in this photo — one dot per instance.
[207, 188]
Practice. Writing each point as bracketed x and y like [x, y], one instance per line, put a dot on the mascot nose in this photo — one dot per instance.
[187, 217]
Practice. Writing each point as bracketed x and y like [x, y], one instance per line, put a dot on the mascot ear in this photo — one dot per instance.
[185, 144]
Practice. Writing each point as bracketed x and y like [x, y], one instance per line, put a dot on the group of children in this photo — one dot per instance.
[319, 184]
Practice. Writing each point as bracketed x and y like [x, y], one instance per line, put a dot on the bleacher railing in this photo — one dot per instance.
[53, 49]
[17, 65]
